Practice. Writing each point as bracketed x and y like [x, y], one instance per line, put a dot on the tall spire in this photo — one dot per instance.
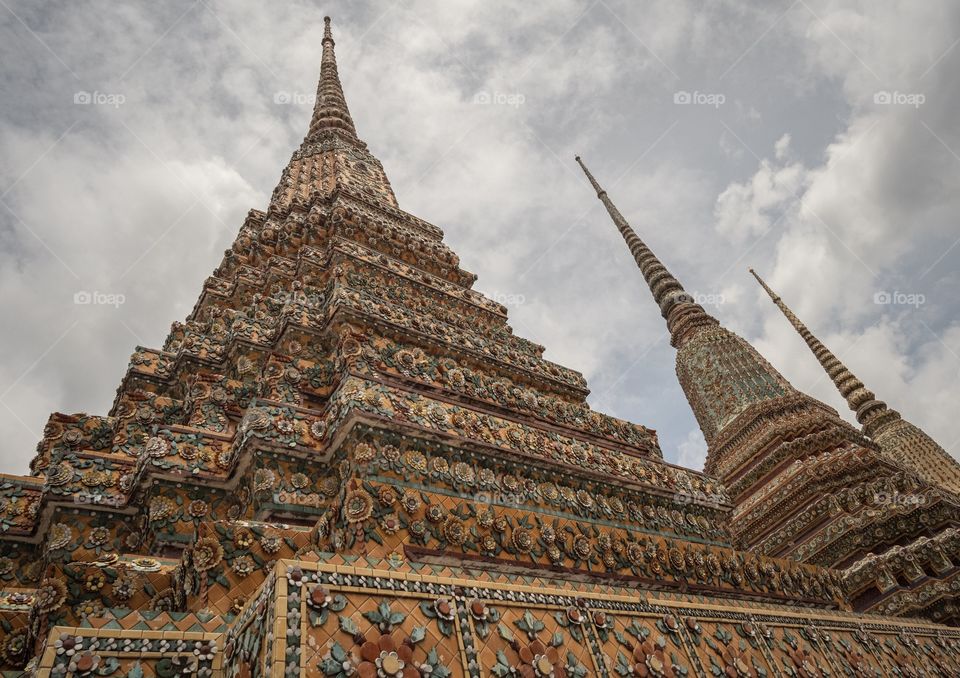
[721, 374]
[330, 111]
[870, 411]
[332, 159]
[676, 306]
[899, 439]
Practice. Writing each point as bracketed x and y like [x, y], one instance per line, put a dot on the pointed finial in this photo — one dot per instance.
[330, 111]
[593, 182]
[870, 411]
[676, 306]
[773, 296]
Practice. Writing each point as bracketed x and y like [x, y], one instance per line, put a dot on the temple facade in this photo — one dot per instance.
[344, 462]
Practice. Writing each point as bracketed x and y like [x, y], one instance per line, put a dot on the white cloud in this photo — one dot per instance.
[692, 451]
[751, 208]
[782, 147]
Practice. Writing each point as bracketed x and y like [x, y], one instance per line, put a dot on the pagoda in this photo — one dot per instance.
[922, 555]
[899, 440]
[875, 505]
[344, 463]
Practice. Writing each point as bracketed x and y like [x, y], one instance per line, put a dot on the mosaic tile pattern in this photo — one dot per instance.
[320, 619]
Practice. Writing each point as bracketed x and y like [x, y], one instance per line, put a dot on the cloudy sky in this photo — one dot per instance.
[814, 140]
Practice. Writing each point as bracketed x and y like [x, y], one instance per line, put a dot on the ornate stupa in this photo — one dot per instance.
[345, 463]
[899, 440]
[806, 485]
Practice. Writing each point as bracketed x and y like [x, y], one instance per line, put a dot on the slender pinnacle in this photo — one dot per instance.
[330, 110]
[860, 399]
[676, 306]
